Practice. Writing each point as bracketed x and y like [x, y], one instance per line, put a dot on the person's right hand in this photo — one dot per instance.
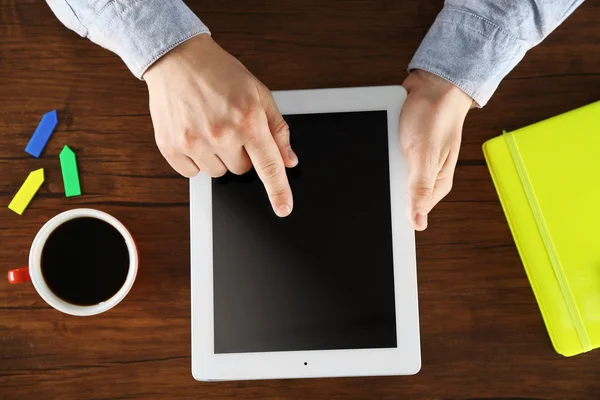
[211, 114]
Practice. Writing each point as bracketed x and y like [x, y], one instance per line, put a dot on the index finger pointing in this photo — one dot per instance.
[267, 161]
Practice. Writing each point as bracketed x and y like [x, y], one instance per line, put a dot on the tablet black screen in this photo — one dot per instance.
[321, 278]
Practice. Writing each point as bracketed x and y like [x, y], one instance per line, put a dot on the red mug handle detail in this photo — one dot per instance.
[20, 275]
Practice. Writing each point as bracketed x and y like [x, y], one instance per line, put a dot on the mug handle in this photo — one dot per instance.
[20, 275]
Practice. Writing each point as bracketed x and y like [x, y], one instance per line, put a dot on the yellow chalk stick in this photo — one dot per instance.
[27, 191]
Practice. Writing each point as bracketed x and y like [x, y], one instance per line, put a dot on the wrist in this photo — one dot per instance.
[438, 90]
[182, 54]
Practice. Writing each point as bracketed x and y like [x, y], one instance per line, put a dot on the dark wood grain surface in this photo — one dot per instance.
[482, 333]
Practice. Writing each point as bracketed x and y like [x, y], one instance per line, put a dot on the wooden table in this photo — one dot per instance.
[482, 334]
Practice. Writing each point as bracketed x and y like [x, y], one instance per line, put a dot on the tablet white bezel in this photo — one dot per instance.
[402, 360]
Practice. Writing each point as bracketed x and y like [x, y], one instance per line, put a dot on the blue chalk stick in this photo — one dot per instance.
[42, 134]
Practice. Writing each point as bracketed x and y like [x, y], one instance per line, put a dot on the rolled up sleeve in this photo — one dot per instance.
[475, 43]
[138, 31]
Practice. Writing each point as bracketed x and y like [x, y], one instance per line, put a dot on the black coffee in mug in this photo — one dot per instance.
[85, 261]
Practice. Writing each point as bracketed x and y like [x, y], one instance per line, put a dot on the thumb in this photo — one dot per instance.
[423, 166]
[278, 127]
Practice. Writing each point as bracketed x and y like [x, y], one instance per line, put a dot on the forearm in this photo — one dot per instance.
[475, 43]
[138, 31]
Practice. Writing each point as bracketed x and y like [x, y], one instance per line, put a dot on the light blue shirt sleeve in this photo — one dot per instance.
[138, 31]
[475, 43]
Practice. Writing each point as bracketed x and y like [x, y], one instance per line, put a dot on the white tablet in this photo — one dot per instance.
[330, 290]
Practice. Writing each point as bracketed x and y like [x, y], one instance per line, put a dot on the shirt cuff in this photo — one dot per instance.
[140, 32]
[470, 51]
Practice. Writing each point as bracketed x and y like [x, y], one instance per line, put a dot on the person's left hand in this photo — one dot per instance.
[431, 123]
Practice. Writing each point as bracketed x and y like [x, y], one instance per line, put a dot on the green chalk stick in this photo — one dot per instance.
[68, 165]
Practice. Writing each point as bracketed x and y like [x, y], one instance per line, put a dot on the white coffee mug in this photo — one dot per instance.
[34, 274]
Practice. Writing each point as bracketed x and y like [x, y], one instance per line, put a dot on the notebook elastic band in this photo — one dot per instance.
[541, 223]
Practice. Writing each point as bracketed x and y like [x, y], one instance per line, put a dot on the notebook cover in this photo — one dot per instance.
[547, 176]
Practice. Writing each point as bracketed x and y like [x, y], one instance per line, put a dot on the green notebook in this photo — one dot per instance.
[547, 176]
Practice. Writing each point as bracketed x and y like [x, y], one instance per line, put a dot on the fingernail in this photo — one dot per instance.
[421, 220]
[292, 156]
[284, 210]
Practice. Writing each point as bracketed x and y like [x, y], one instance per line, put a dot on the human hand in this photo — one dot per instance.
[431, 124]
[211, 114]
